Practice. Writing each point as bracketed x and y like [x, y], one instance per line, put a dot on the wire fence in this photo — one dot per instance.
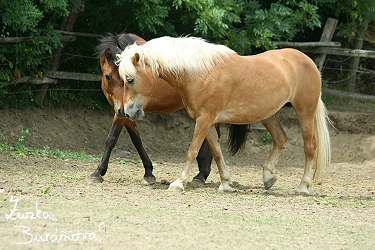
[39, 90]
[335, 70]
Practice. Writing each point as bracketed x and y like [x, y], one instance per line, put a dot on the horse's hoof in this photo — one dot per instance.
[225, 188]
[269, 183]
[175, 189]
[176, 186]
[199, 177]
[96, 178]
[302, 191]
[149, 180]
[230, 181]
[197, 182]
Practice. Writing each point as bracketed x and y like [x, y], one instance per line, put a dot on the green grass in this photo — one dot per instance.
[335, 103]
[21, 149]
[265, 136]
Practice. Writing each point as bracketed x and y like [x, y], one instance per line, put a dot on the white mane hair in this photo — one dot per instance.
[175, 55]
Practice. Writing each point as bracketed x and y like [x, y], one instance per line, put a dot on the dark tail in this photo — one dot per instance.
[237, 137]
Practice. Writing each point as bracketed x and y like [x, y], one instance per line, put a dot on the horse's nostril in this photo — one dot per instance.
[127, 116]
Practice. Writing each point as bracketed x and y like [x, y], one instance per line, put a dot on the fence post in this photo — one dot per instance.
[67, 24]
[327, 35]
[354, 61]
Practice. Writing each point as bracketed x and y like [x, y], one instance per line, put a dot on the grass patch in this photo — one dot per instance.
[335, 103]
[265, 136]
[21, 149]
[328, 201]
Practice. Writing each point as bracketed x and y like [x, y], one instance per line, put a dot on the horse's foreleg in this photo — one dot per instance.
[111, 141]
[202, 126]
[213, 141]
[204, 160]
[307, 127]
[149, 178]
[279, 138]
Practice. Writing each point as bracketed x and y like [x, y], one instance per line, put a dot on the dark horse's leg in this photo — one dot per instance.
[204, 157]
[111, 141]
[204, 160]
[149, 178]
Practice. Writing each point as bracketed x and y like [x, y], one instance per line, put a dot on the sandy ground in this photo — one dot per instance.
[58, 207]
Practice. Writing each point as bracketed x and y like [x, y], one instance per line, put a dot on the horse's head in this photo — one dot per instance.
[112, 84]
[140, 83]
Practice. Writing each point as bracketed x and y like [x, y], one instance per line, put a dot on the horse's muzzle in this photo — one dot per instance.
[134, 111]
[120, 113]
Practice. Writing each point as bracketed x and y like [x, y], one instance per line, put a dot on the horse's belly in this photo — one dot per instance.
[246, 115]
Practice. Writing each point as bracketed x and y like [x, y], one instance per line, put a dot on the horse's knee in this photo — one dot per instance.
[111, 140]
[280, 140]
[310, 148]
[192, 154]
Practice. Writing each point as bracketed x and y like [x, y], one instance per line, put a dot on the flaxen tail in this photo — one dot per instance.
[323, 150]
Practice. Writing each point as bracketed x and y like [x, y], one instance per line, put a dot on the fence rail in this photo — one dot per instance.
[73, 76]
[341, 52]
[324, 47]
[28, 39]
[51, 77]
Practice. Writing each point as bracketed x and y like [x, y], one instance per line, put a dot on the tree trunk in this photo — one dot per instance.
[67, 24]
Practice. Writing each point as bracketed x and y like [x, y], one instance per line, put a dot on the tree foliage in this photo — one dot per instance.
[239, 24]
[34, 19]
[247, 26]
[353, 13]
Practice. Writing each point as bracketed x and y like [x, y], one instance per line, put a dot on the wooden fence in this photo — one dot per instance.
[320, 49]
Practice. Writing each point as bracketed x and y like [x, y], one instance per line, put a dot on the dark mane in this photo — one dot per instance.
[116, 44]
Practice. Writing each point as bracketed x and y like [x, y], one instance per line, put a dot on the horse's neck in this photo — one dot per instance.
[170, 78]
[177, 82]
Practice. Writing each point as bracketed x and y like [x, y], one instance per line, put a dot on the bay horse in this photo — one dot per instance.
[219, 86]
[164, 101]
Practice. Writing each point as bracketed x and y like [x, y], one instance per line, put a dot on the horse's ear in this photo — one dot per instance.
[135, 59]
[107, 53]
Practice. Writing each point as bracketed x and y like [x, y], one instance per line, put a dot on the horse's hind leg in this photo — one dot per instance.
[307, 126]
[148, 177]
[204, 160]
[279, 138]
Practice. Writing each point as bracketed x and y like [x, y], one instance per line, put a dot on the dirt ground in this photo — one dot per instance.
[48, 202]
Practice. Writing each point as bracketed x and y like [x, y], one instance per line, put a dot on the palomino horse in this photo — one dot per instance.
[164, 101]
[218, 86]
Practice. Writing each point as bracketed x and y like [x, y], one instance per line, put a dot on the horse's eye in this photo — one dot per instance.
[108, 77]
[130, 81]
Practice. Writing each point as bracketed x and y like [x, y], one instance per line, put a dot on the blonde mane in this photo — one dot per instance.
[175, 55]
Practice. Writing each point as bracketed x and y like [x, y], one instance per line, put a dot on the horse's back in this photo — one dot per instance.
[288, 57]
[267, 81]
[297, 68]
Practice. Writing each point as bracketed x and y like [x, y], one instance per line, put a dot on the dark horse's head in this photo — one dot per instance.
[112, 84]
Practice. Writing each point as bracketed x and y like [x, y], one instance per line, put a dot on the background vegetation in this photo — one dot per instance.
[247, 26]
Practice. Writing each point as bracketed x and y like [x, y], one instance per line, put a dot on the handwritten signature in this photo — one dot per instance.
[54, 237]
[64, 236]
[39, 214]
